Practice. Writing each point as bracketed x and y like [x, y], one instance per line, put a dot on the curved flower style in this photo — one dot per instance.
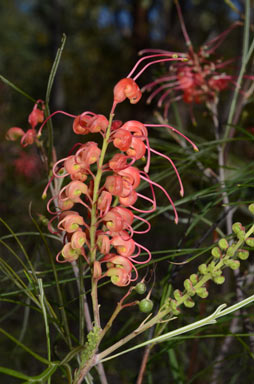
[103, 235]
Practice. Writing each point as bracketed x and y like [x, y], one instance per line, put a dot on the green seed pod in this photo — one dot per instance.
[145, 305]
[203, 269]
[236, 227]
[194, 278]
[216, 252]
[202, 292]
[243, 254]
[230, 251]
[251, 208]
[189, 303]
[140, 288]
[223, 244]
[219, 280]
[177, 294]
[250, 242]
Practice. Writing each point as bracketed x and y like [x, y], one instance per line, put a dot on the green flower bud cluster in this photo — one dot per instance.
[173, 306]
[223, 255]
[91, 344]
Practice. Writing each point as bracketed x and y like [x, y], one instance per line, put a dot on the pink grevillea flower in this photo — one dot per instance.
[30, 136]
[127, 88]
[107, 190]
[14, 134]
[89, 122]
[103, 242]
[37, 115]
[198, 80]
[70, 254]
[71, 222]
[119, 269]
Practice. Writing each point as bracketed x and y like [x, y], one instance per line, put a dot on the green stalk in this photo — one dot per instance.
[45, 317]
[97, 181]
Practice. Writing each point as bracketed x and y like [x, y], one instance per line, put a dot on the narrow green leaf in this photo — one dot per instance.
[17, 89]
[24, 347]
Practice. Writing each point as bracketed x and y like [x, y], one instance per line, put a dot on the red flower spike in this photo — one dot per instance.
[14, 134]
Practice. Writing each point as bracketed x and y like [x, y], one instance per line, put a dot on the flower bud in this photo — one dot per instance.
[236, 227]
[230, 251]
[177, 294]
[243, 254]
[203, 269]
[189, 303]
[250, 242]
[202, 292]
[219, 280]
[251, 208]
[233, 264]
[194, 278]
[216, 252]
[223, 244]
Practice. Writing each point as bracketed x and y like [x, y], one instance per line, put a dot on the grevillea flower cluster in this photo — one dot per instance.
[95, 208]
[198, 80]
[30, 136]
